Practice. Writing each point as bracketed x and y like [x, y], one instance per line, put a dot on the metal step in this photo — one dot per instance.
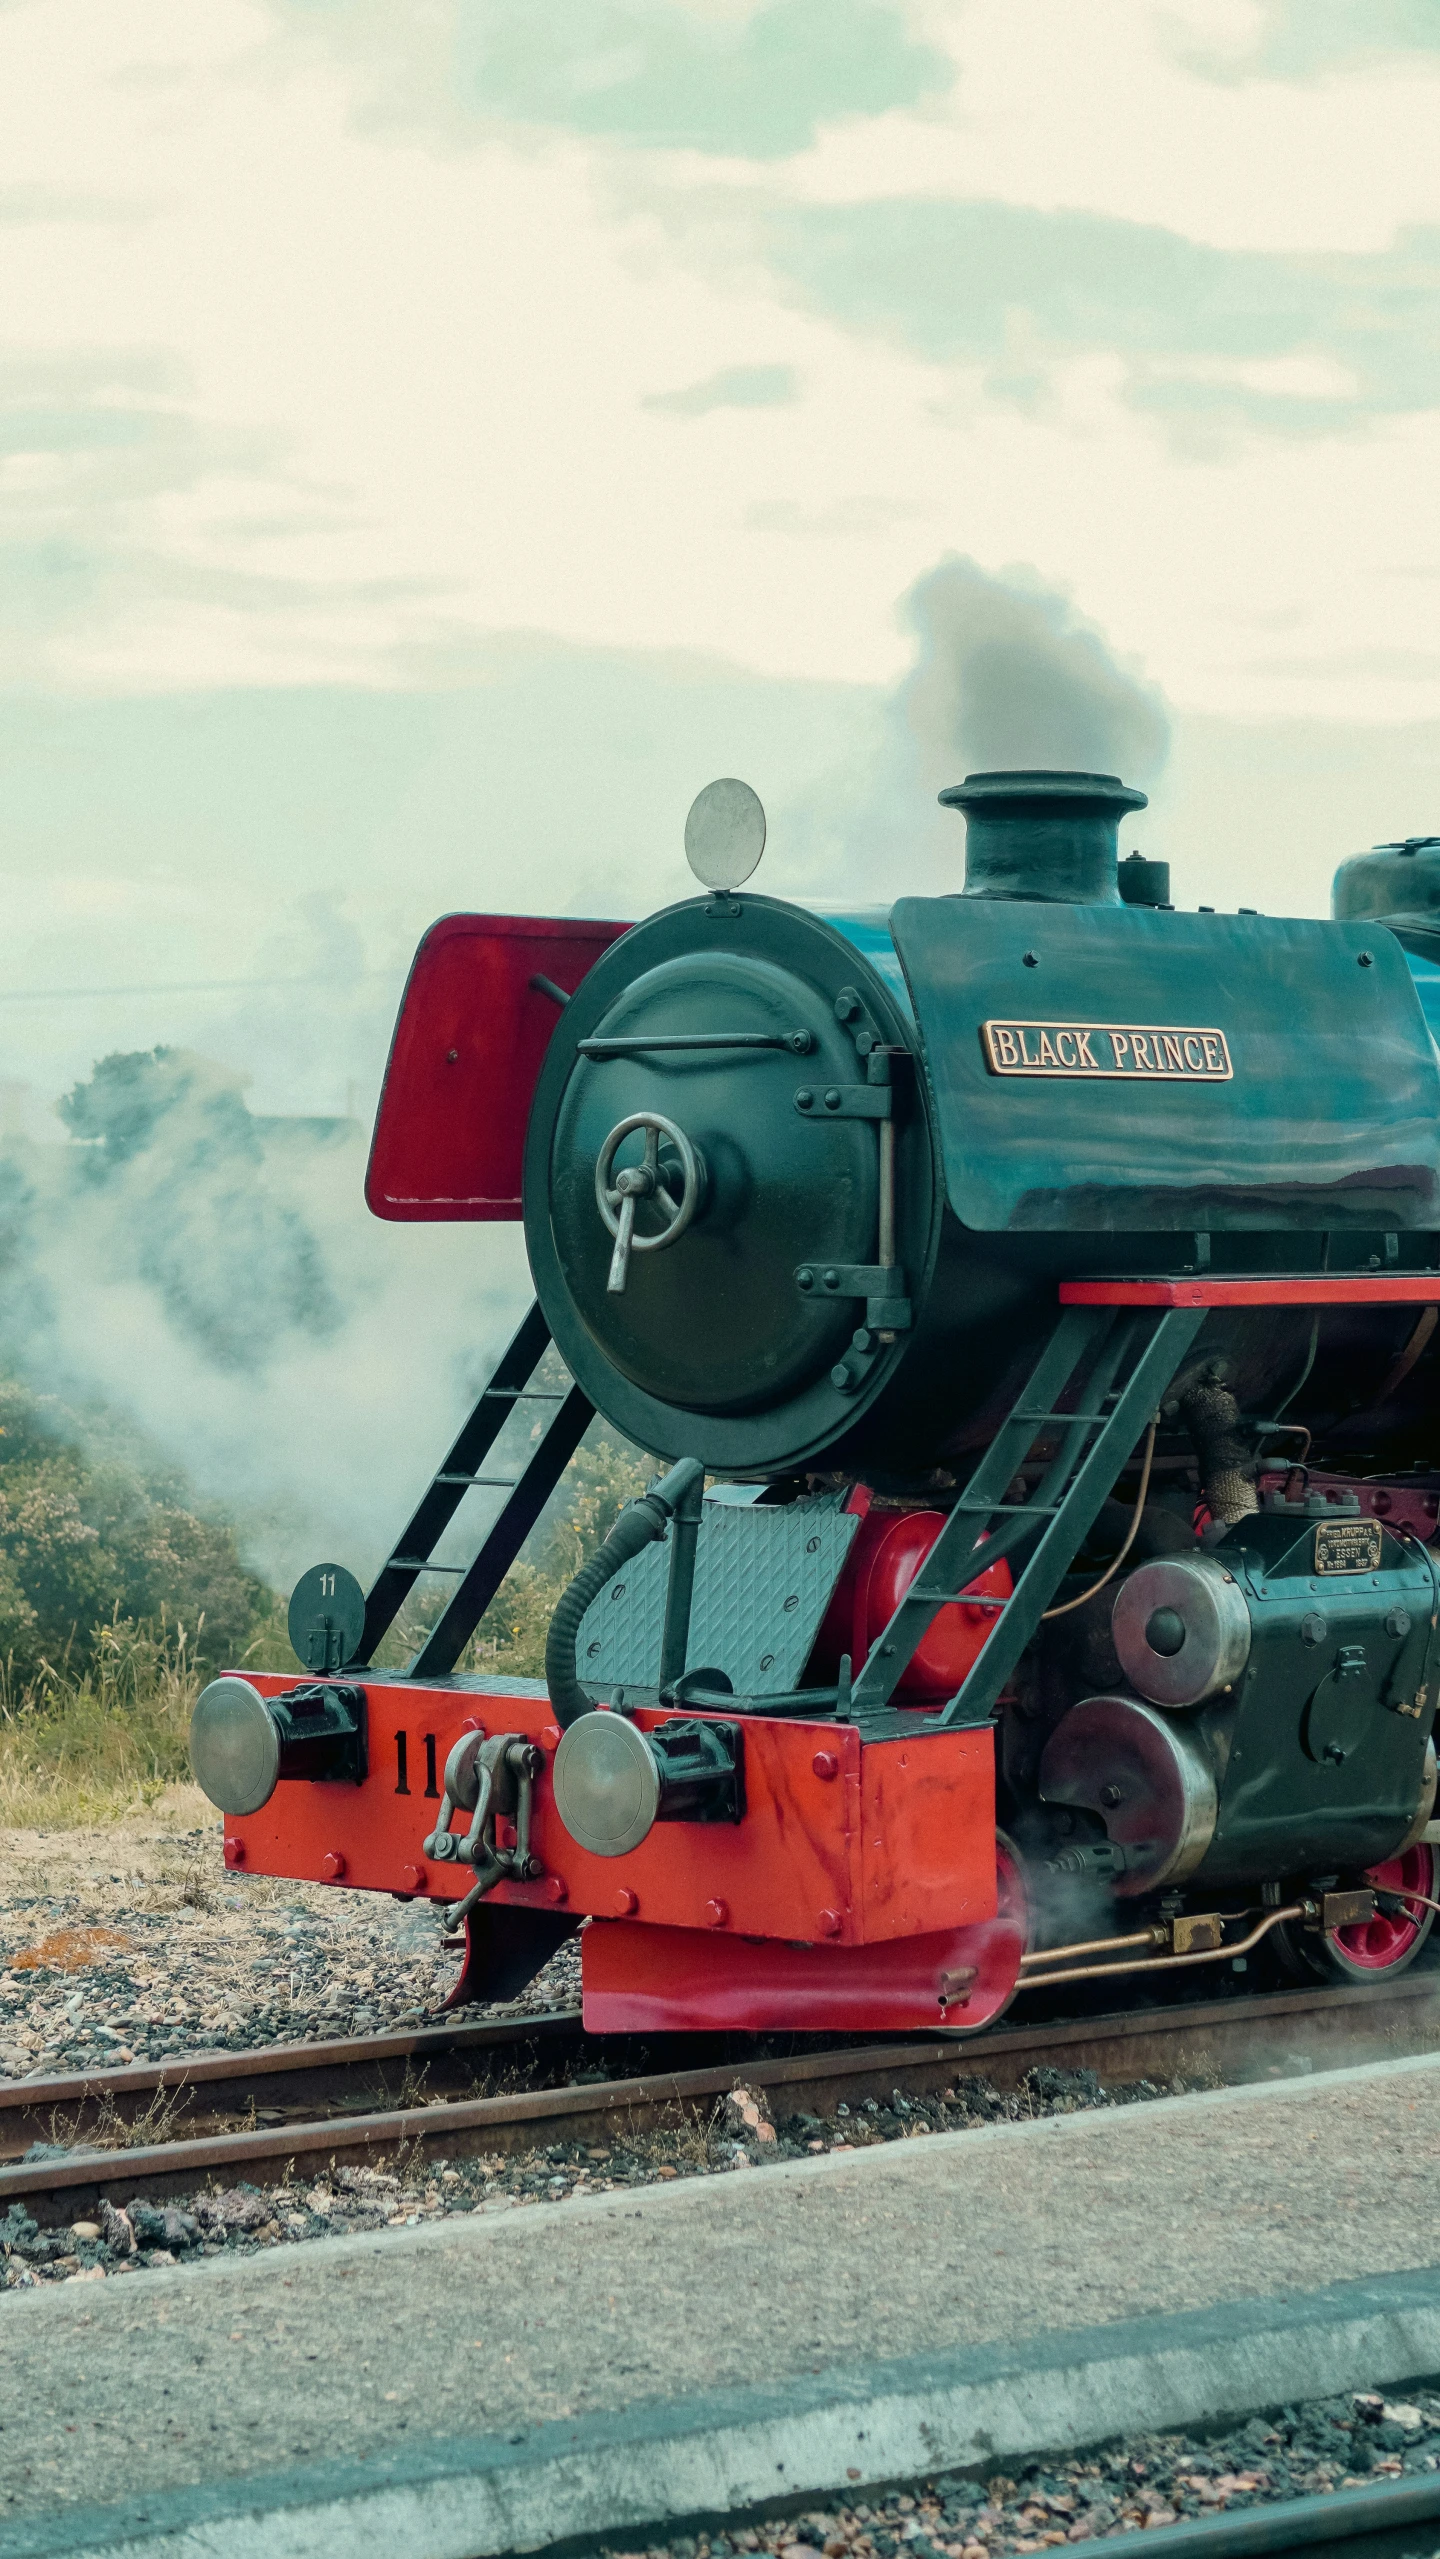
[528, 1492]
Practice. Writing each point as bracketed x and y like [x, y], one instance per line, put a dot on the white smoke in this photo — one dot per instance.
[215, 1280]
[1009, 676]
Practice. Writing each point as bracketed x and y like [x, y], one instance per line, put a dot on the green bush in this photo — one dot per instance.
[118, 1599]
[80, 1746]
[94, 1535]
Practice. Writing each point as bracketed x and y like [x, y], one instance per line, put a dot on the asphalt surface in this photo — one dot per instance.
[507, 2320]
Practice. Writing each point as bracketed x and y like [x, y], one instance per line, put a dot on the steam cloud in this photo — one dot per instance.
[215, 1278]
[1009, 676]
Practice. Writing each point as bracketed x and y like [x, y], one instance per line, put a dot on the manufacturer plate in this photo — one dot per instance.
[1171, 1054]
[1347, 1546]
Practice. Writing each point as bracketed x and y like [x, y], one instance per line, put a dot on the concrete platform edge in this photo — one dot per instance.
[625, 2477]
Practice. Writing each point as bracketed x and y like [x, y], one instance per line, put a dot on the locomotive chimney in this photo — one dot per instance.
[1045, 836]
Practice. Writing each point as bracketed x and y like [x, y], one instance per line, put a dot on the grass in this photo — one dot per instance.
[162, 2120]
[101, 1730]
[95, 1736]
[86, 1746]
[80, 1747]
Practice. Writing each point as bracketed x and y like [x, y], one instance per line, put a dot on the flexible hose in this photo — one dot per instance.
[638, 1526]
[1136, 1516]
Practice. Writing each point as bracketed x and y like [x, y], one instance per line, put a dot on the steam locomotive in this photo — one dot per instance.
[1029, 1298]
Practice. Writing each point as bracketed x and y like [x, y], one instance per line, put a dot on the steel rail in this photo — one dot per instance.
[1358, 2517]
[267, 2077]
[1346, 2022]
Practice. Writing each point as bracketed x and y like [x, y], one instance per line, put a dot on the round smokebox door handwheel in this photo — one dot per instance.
[621, 1194]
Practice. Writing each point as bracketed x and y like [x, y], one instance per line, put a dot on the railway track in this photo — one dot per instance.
[1397, 2520]
[241, 2115]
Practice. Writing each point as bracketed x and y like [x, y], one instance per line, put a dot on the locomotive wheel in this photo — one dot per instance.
[1012, 1902]
[1012, 1899]
[1373, 1949]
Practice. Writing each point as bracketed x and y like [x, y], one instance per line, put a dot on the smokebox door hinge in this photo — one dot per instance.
[845, 1101]
[882, 1285]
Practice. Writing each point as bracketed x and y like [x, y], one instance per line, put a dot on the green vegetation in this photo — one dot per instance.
[87, 1744]
[119, 1597]
[94, 1533]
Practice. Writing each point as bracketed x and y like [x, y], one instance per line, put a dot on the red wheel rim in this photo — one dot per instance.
[1011, 1899]
[1374, 1944]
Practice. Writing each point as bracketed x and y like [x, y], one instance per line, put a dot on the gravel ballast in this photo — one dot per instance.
[138, 1945]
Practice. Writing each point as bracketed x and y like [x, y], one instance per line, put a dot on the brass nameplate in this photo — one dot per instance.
[1109, 1049]
[1347, 1546]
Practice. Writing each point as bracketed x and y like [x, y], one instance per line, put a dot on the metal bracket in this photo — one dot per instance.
[882, 1285]
[323, 1731]
[845, 1101]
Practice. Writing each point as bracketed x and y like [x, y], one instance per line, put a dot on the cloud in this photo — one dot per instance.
[858, 516]
[1310, 39]
[99, 450]
[36, 203]
[178, 838]
[1006, 672]
[734, 79]
[1016, 292]
[739, 386]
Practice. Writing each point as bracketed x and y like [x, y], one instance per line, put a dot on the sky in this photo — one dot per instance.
[434, 442]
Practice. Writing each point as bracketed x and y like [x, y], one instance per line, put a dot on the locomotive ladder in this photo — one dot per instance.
[1128, 1358]
[529, 1492]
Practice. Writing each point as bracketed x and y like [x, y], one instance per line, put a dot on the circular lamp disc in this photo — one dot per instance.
[724, 834]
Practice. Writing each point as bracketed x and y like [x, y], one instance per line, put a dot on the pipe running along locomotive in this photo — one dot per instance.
[1029, 1297]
